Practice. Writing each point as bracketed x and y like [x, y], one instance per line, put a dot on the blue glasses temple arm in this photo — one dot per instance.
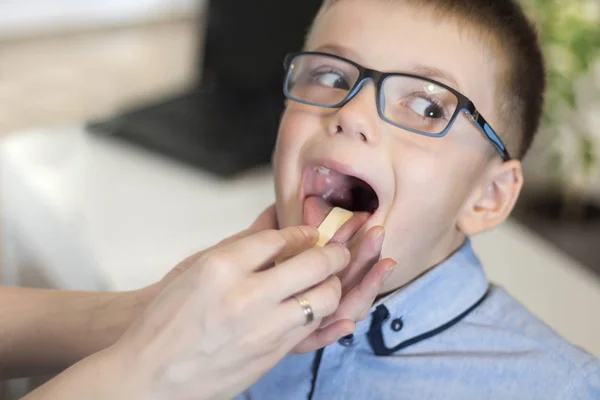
[493, 137]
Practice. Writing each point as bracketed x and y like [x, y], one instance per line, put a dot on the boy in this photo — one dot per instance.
[429, 150]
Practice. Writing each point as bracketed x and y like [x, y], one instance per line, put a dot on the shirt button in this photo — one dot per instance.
[347, 341]
[397, 325]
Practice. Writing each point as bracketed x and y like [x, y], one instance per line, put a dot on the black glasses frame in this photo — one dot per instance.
[464, 104]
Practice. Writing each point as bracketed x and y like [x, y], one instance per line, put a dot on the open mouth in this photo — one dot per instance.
[325, 188]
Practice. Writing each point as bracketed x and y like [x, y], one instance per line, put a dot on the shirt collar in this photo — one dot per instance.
[432, 302]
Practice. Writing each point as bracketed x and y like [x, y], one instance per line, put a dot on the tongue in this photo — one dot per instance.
[316, 210]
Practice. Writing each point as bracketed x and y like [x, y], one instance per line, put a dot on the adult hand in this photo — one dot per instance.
[229, 317]
[171, 343]
[361, 281]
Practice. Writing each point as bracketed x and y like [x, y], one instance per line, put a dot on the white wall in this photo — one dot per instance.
[27, 17]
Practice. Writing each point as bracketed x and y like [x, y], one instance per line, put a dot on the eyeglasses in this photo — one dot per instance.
[410, 102]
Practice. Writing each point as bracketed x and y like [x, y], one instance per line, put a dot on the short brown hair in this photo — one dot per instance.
[522, 78]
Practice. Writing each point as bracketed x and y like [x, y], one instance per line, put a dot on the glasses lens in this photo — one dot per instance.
[319, 79]
[418, 104]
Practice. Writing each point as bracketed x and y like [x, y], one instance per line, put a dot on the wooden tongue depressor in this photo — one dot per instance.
[332, 223]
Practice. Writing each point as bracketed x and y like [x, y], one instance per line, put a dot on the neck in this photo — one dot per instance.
[407, 272]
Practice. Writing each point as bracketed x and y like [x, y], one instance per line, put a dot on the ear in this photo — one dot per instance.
[493, 200]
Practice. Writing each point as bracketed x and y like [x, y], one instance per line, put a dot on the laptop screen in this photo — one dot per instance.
[247, 40]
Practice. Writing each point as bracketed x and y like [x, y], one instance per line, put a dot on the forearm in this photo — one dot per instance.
[101, 376]
[45, 331]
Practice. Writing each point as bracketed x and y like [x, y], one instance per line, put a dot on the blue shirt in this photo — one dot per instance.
[448, 335]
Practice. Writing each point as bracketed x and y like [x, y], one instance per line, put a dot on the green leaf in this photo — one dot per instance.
[585, 44]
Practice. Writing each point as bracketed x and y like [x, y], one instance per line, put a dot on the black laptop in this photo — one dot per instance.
[228, 123]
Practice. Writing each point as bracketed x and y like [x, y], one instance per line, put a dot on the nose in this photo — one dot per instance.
[358, 118]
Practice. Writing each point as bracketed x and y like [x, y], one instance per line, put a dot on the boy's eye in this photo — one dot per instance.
[426, 108]
[332, 80]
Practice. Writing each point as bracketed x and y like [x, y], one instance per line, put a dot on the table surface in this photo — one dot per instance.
[95, 213]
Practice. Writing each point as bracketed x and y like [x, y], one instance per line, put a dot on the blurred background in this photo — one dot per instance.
[71, 61]
[119, 155]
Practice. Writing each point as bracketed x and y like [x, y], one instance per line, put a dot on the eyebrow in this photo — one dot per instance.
[416, 69]
[433, 73]
[339, 51]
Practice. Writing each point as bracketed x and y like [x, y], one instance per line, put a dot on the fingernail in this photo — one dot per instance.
[379, 239]
[345, 250]
[389, 272]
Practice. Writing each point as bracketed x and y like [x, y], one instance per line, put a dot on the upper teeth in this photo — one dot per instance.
[323, 170]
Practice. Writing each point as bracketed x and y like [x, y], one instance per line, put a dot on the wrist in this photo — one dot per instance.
[145, 296]
[129, 362]
[118, 375]
[106, 374]
[113, 314]
[136, 302]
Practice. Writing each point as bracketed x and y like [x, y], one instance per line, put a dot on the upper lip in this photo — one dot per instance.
[341, 168]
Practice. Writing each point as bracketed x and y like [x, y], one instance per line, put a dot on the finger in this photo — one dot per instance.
[304, 271]
[324, 337]
[364, 255]
[356, 304]
[371, 235]
[323, 300]
[257, 250]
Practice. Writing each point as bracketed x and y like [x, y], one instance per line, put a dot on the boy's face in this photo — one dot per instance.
[423, 185]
